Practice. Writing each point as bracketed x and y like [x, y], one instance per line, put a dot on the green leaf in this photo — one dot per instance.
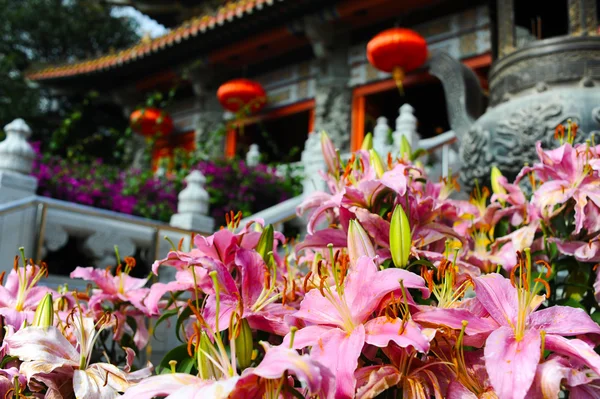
[179, 354]
[574, 304]
[185, 314]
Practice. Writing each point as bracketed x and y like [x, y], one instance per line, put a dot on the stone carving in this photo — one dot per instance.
[552, 61]
[461, 88]
[101, 245]
[55, 237]
[253, 155]
[406, 125]
[506, 135]
[16, 154]
[532, 90]
[193, 198]
[313, 162]
[332, 113]
[381, 134]
[192, 207]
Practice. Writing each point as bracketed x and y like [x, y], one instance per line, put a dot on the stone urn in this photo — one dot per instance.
[533, 89]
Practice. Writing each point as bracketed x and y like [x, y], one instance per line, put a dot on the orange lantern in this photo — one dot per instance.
[398, 51]
[150, 122]
[242, 95]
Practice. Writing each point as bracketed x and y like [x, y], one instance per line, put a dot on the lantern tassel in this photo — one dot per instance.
[398, 75]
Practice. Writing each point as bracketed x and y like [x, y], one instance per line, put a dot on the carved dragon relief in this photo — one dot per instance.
[511, 144]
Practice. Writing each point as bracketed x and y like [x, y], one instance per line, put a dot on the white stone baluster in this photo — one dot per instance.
[192, 207]
[381, 137]
[16, 154]
[16, 160]
[253, 155]
[313, 162]
[406, 125]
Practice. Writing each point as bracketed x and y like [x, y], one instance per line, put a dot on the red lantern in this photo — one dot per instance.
[398, 51]
[150, 122]
[242, 95]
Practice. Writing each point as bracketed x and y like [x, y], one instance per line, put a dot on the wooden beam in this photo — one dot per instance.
[281, 112]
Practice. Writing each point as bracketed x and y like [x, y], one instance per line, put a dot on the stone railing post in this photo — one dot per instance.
[192, 207]
[313, 162]
[406, 125]
[253, 155]
[16, 161]
[380, 137]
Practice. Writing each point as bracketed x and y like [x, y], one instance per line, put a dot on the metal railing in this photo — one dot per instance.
[43, 204]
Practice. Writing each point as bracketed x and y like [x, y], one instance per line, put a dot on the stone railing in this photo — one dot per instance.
[43, 225]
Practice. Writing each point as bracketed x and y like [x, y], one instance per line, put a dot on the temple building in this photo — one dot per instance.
[310, 57]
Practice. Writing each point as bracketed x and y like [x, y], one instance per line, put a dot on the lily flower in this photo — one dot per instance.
[180, 385]
[566, 173]
[513, 350]
[338, 319]
[46, 351]
[414, 378]
[272, 372]
[120, 287]
[20, 294]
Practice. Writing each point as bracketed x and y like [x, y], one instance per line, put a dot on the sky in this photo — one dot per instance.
[147, 24]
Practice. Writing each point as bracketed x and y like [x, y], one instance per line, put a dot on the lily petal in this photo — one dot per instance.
[511, 364]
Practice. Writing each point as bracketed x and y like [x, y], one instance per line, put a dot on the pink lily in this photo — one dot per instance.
[566, 173]
[281, 361]
[557, 372]
[413, 377]
[46, 352]
[179, 385]
[512, 351]
[121, 287]
[256, 300]
[339, 323]
[20, 295]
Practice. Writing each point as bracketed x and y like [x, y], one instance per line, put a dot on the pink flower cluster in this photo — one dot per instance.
[398, 290]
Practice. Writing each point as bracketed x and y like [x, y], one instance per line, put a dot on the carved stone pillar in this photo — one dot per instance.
[128, 99]
[209, 133]
[333, 97]
[506, 26]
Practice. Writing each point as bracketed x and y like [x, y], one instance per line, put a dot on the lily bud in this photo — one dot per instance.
[206, 367]
[405, 148]
[244, 345]
[367, 143]
[359, 243]
[265, 243]
[330, 154]
[497, 188]
[44, 314]
[376, 163]
[400, 237]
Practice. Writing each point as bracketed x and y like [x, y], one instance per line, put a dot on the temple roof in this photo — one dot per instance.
[201, 31]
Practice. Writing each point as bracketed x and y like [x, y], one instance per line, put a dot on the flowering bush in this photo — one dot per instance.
[397, 290]
[234, 185]
[230, 184]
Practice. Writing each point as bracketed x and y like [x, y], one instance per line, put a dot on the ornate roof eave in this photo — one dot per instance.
[196, 36]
